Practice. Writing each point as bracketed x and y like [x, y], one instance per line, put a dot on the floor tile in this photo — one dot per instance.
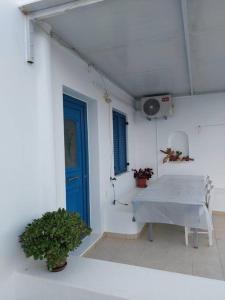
[220, 234]
[180, 266]
[208, 269]
[168, 252]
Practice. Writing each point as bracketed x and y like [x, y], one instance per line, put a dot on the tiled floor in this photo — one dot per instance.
[168, 251]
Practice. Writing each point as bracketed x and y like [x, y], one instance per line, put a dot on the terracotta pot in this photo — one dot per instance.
[141, 182]
[60, 267]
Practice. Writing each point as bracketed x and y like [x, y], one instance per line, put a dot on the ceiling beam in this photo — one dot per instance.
[53, 11]
[184, 14]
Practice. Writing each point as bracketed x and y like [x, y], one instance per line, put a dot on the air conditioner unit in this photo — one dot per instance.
[159, 106]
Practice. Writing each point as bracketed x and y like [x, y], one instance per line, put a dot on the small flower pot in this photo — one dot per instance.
[141, 182]
[58, 268]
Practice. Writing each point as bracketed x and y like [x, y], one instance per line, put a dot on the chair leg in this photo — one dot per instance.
[210, 235]
[210, 232]
[186, 235]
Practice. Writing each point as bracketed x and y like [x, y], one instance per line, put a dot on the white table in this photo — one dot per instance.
[173, 199]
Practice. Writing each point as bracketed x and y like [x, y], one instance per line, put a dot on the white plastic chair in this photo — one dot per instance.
[207, 179]
[208, 203]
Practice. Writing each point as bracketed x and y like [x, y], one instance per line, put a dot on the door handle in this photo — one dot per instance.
[72, 178]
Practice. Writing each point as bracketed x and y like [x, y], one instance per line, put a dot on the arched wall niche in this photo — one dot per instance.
[179, 141]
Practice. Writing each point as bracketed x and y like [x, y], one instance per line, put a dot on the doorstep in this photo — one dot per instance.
[87, 243]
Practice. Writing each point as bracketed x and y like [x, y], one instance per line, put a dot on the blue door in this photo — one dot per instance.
[76, 156]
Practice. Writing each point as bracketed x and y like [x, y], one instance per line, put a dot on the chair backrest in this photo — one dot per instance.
[209, 198]
[208, 184]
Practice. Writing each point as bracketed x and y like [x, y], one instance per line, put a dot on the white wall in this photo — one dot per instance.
[24, 138]
[31, 130]
[84, 83]
[206, 144]
[85, 276]
[145, 142]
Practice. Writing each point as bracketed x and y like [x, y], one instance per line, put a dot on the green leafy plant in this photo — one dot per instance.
[143, 173]
[174, 155]
[53, 236]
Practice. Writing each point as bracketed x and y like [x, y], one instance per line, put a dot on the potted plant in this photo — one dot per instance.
[142, 175]
[174, 155]
[53, 236]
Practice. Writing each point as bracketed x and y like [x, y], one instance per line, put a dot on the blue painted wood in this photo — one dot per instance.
[77, 184]
[119, 142]
[116, 143]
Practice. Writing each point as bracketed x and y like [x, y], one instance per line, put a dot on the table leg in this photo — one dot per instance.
[150, 232]
[195, 238]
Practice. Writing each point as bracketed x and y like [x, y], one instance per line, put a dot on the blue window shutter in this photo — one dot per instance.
[116, 142]
[119, 142]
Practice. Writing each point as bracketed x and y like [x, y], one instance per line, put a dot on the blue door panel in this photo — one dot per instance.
[76, 156]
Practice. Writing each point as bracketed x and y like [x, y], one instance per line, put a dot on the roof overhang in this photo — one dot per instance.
[36, 5]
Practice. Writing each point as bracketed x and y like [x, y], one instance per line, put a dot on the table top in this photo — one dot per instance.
[182, 189]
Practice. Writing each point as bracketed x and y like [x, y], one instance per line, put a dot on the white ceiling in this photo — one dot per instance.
[140, 44]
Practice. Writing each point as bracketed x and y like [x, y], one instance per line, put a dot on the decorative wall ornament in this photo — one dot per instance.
[174, 155]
